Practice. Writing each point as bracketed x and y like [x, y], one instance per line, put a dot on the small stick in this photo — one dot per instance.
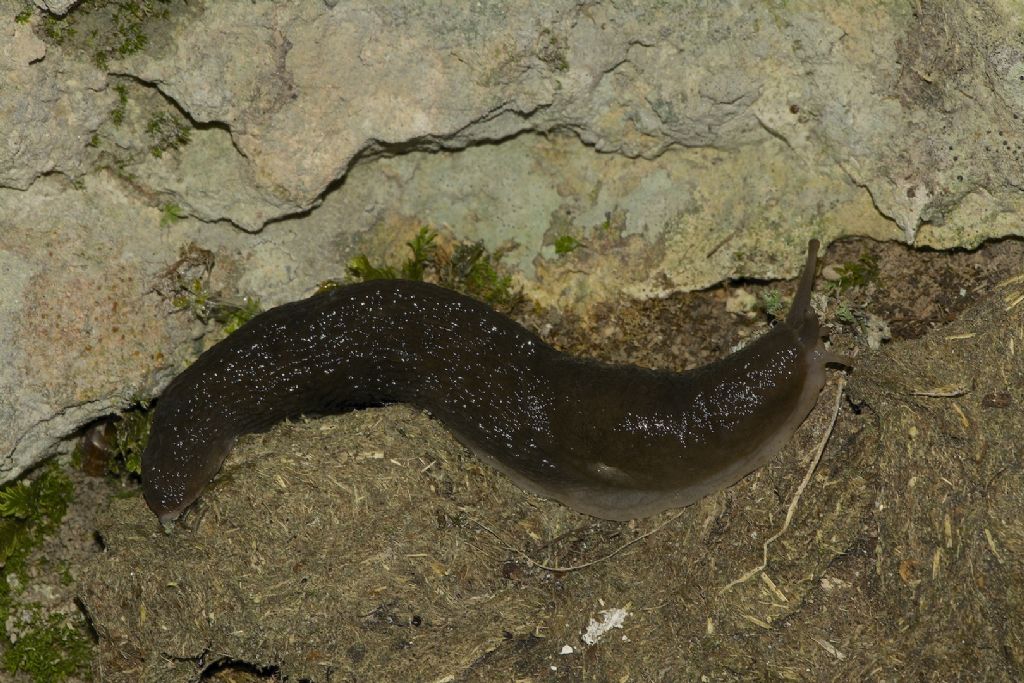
[571, 568]
[796, 497]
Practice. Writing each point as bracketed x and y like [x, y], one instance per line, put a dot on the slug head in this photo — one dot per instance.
[180, 459]
[804, 321]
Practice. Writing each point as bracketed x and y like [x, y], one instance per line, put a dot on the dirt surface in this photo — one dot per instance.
[370, 546]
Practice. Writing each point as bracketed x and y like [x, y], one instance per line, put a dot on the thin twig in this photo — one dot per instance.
[796, 497]
[575, 567]
[948, 391]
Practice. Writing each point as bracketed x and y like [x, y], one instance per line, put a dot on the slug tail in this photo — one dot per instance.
[802, 299]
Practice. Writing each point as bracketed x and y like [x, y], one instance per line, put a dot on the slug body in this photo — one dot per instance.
[613, 441]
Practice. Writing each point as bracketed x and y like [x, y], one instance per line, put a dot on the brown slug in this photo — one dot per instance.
[96, 448]
[612, 441]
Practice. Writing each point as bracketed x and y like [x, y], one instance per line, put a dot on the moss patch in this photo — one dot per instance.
[566, 244]
[131, 433]
[29, 510]
[466, 267]
[52, 647]
[105, 30]
[48, 646]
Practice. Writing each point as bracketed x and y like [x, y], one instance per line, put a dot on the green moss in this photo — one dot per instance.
[423, 251]
[468, 267]
[771, 302]
[65, 575]
[57, 29]
[553, 50]
[194, 297]
[131, 433]
[108, 29]
[845, 314]
[360, 269]
[48, 647]
[170, 213]
[474, 271]
[566, 244]
[142, 124]
[118, 112]
[29, 510]
[233, 317]
[41, 644]
[855, 274]
[167, 132]
[130, 34]
[25, 15]
[51, 650]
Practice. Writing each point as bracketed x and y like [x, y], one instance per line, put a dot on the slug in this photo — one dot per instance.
[96, 448]
[612, 441]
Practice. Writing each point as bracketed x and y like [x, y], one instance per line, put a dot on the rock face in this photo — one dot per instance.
[678, 145]
[58, 7]
[43, 116]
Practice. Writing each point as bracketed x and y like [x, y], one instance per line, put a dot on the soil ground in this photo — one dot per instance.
[371, 546]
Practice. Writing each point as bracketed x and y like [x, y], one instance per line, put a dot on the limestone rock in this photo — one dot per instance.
[678, 147]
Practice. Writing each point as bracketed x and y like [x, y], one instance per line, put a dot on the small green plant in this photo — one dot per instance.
[28, 511]
[845, 314]
[131, 433]
[130, 23]
[361, 270]
[58, 29]
[566, 244]
[195, 298]
[118, 112]
[233, 317]
[168, 133]
[131, 36]
[48, 647]
[468, 268]
[423, 250]
[553, 50]
[170, 213]
[17, 502]
[52, 649]
[186, 287]
[473, 270]
[771, 302]
[422, 247]
[24, 16]
[327, 285]
[855, 274]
